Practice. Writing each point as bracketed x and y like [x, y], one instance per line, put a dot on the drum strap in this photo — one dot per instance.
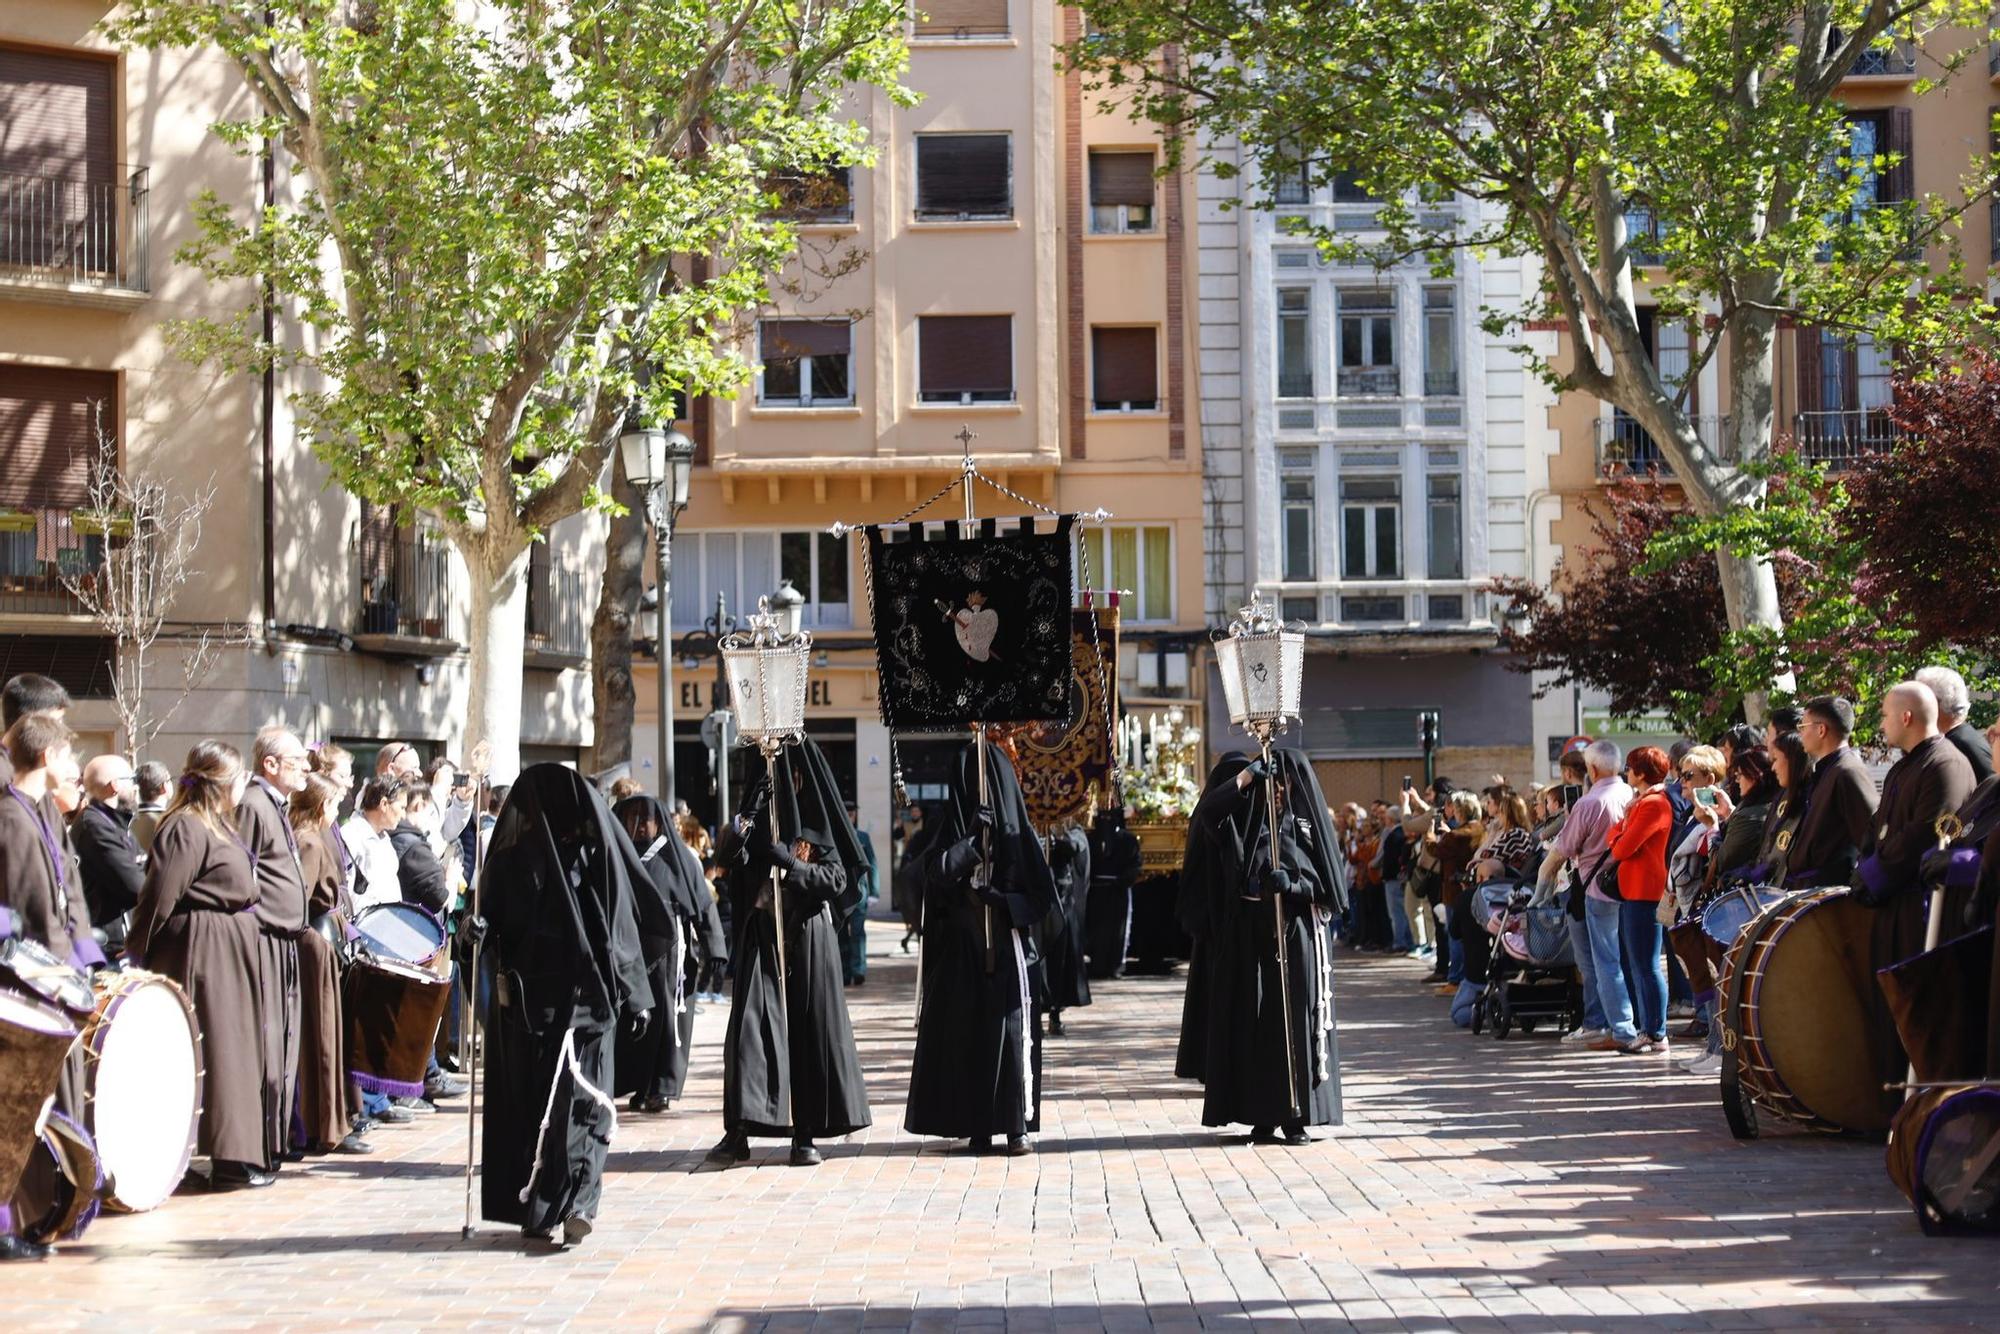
[566, 1059]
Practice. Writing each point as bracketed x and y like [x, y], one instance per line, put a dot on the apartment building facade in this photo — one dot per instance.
[349, 623]
[1009, 266]
[1368, 472]
[1832, 387]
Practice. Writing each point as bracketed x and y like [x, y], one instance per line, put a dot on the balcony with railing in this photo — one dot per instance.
[80, 240]
[47, 541]
[1370, 381]
[1626, 448]
[1441, 384]
[1840, 439]
[559, 613]
[404, 592]
[1897, 60]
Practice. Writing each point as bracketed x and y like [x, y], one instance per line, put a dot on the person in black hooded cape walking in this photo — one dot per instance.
[652, 1067]
[977, 1068]
[1059, 938]
[1234, 1032]
[789, 1066]
[563, 919]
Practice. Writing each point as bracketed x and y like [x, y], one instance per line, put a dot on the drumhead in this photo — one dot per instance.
[401, 931]
[1724, 918]
[21, 1012]
[145, 1089]
[1810, 1013]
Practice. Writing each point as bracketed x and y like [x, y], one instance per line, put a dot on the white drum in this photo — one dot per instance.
[143, 1068]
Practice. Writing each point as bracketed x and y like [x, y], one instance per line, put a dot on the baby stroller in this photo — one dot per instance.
[1532, 978]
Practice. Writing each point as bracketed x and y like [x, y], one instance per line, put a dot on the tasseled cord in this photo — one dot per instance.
[1323, 987]
[566, 1058]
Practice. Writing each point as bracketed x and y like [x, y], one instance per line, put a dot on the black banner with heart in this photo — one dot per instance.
[971, 626]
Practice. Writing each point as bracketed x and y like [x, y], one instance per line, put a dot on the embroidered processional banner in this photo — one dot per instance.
[1060, 762]
[971, 622]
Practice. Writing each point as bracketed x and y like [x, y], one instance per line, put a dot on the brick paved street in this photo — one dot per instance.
[1477, 1185]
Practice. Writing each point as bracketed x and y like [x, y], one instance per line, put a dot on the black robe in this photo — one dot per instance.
[654, 1063]
[1059, 938]
[1215, 808]
[1115, 863]
[557, 892]
[1836, 819]
[977, 1067]
[789, 1065]
[1241, 1012]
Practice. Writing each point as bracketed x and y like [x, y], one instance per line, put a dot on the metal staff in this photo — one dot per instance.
[770, 745]
[468, 1050]
[984, 875]
[1278, 924]
[1947, 827]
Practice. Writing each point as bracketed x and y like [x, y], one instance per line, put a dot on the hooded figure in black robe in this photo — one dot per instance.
[977, 1068]
[564, 913]
[652, 1066]
[1115, 863]
[1217, 807]
[1227, 885]
[789, 1067]
[1059, 939]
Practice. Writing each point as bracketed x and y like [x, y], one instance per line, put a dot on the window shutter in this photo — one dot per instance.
[963, 174]
[1806, 339]
[965, 354]
[56, 115]
[1124, 368]
[1121, 178]
[378, 548]
[48, 433]
[1897, 141]
[956, 18]
[804, 338]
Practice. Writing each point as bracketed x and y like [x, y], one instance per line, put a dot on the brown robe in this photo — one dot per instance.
[322, 1048]
[281, 913]
[194, 923]
[1931, 779]
[1837, 824]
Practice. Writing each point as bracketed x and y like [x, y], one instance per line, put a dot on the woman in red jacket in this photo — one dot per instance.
[1638, 843]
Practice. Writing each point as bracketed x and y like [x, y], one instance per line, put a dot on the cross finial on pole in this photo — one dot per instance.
[966, 435]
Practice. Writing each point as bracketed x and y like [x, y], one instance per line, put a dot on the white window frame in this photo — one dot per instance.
[694, 569]
[1292, 469]
[805, 397]
[1133, 608]
[1371, 526]
[1305, 317]
[1389, 316]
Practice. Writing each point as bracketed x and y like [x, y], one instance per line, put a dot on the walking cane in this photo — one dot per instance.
[1278, 921]
[1947, 827]
[469, 1050]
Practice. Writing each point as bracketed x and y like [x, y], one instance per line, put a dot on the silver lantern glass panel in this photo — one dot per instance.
[1262, 665]
[767, 674]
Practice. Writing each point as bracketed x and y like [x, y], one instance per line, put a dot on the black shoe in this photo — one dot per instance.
[805, 1155]
[1017, 1146]
[731, 1148]
[237, 1176]
[450, 1063]
[1262, 1135]
[1295, 1135]
[1056, 1029]
[980, 1144]
[353, 1143]
[392, 1115]
[20, 1248]
[861, 981]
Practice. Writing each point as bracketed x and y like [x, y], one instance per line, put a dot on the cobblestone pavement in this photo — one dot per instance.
[1477, 1185]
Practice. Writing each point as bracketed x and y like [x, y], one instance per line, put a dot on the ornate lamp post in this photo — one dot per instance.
[1261, 663]
[661, 464]
[767, 681]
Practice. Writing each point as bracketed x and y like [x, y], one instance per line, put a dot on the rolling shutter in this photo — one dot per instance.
[965, 354]
[1121, 178]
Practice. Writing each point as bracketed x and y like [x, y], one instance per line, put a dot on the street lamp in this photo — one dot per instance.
[788, 607]
[661, 464]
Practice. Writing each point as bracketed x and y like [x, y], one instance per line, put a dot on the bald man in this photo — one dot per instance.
[105, 849]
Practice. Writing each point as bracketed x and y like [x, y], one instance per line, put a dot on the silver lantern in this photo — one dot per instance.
[767, 679]
[1262, 664]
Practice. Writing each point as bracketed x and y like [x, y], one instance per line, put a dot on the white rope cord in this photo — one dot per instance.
[680, 956]
[1322, 990]
[1028, 1089]
[566, 1059]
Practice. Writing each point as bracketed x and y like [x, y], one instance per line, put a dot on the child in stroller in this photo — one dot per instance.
[1531, 978]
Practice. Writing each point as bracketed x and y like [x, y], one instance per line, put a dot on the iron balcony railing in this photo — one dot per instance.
[1840, 439]
[405, 584]
[1624, 444]
[45, 538]
[1441, 384]
[76, 229]
[1370, 381]
[559, 615]
[1898, 58]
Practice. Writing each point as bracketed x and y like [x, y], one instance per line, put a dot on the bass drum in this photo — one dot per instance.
[1797, 983]
[61, 1188]
[34, 1040]
[143, 1078]
[407, 932]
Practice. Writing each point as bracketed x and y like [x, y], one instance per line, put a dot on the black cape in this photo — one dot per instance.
[1234, 1030]
[654, 1064]
[977, 1067]
[1059, 938]
[1211, 811]
[789, 1066]
[559, 894]
[1115, 863]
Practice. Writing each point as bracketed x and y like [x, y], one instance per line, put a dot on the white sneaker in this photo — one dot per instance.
[1707, 1064]
[1581, 1035]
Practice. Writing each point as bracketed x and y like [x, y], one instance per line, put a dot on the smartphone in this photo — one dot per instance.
[1704, 796]
[1408, 786]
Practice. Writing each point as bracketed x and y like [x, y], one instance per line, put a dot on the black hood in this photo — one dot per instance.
[809, 801]
[671, 870]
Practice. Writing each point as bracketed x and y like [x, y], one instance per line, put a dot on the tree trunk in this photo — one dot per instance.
[498, 631]
[613, 698]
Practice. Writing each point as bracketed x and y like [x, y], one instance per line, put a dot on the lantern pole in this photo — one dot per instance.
[984, 875]
[770, 746]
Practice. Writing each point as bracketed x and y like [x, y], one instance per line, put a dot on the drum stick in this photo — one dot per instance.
[468, 1050]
